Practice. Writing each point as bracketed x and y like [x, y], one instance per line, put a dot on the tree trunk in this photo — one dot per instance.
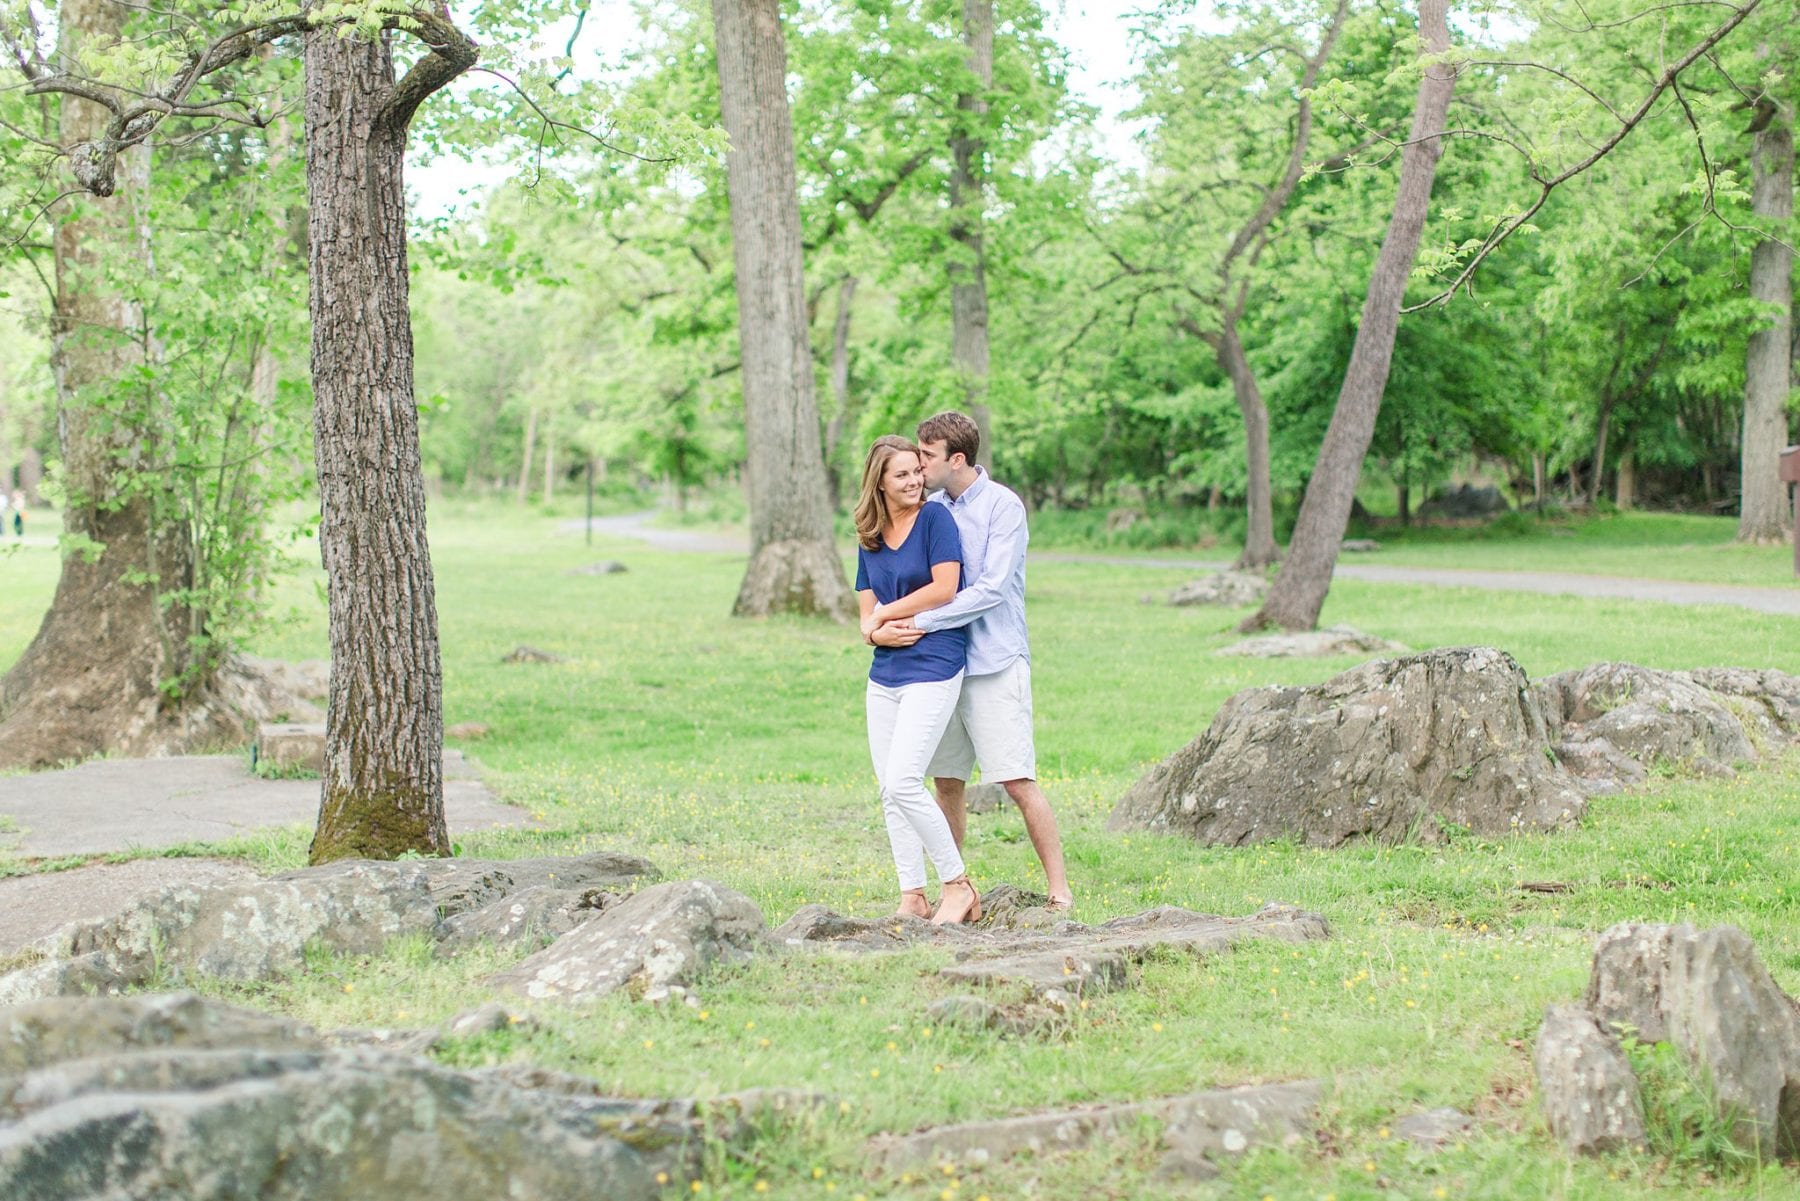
[1299, 591]
[1600, 431]
[1625, 495]
[31, 474]
[794, 566]
[1764, 515]
[1259, 534]
[549, 457]
[525, 453]
[382, 792]
[840, 389]
[968, 260]
[94, 678]
[1403, 502]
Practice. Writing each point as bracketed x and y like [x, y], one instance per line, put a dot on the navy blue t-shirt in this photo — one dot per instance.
[893, 573]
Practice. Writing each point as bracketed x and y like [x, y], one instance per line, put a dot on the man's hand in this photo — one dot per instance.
[896, 633]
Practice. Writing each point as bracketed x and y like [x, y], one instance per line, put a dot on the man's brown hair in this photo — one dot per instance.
[957, 432]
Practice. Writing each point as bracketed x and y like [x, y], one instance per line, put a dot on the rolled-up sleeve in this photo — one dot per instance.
[1005, 556]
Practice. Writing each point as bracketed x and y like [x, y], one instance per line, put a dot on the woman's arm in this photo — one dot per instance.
[944, 579]
[865, 599]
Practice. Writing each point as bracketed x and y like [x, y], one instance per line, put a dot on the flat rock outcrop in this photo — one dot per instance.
[1391, 750]
[665, 936]
[1311, 644]
[1708, 996]
[1199, 1130]
[1050, 966]
[1231, 589]
[171, 1098]
[259, 928]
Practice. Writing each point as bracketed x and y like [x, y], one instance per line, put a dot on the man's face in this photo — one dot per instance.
[938, 464]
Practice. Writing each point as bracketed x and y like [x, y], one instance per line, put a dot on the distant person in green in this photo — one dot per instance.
[992, 726]
[908, 562]
[18, 514]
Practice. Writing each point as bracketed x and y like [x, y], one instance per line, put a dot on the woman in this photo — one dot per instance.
[910, 560]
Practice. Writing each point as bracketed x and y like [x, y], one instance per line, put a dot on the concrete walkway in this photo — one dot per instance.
[112, 805]
[1782, 601]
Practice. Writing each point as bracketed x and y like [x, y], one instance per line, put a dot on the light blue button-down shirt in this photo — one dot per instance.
[991, 519]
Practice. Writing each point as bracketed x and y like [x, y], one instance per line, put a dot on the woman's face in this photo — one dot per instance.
[903, 481]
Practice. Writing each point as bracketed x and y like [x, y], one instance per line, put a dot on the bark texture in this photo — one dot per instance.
[91, 680]
[382, 792]
[1299, 591]
[1259, 531]
[968, 259]
[794, 567]
[1764, 515]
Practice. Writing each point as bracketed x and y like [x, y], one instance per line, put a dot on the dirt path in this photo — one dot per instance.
[1783, 601]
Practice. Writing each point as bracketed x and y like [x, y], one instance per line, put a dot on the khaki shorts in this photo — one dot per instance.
[992, 728]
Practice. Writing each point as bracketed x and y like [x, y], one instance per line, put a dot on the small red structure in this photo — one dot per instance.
[1790, 474]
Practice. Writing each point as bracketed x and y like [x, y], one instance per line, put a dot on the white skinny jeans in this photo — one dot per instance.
[905, 725]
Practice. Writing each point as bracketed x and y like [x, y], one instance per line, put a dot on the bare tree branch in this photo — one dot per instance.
[1663, 83]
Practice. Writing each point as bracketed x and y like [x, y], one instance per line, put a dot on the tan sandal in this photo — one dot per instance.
[974, 910]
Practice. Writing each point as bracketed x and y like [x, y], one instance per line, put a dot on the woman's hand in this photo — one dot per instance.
[871, 621]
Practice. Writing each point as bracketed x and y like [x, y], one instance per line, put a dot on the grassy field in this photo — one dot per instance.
[734, 750]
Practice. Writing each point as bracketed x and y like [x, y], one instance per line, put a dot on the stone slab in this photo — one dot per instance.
[111, 805]
[39, 904]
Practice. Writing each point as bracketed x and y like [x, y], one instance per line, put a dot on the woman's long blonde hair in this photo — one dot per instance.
[871, 513]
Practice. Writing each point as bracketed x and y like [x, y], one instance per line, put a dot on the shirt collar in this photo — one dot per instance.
[973, 490]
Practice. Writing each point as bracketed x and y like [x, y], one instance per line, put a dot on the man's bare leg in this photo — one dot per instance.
[950, 800]
[1040, 824]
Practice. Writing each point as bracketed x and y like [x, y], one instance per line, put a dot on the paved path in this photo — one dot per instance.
[145, 804]
[1783, 601]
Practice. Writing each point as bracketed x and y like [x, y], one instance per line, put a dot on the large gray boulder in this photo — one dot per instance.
[1612, 721]
[1647, 715]
[176, 1099]
[1391, 750]
[666, 936]
[260, 929]
[1585, 1084]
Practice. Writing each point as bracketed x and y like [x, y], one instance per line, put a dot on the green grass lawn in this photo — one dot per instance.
[735, 750]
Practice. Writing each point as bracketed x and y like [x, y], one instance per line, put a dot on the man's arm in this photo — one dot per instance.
[1006, 551]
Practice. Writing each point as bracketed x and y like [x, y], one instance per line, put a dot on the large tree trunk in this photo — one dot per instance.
[1259, 535]
[93, 679]
[1764, 514]
[968, 259]
[1299, 591]
[794, 566]
[382, 792]
[840, 389]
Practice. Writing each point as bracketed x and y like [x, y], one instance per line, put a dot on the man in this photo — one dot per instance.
[992, 724]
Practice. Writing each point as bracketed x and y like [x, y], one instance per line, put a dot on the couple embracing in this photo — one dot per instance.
[941, 579]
